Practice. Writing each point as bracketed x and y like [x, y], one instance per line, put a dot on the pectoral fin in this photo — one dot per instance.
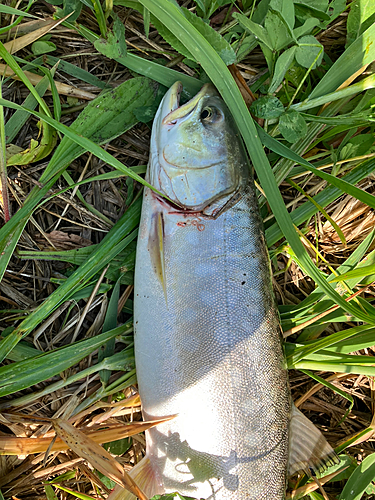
[308, 448]
[145, 477]
[156, 249]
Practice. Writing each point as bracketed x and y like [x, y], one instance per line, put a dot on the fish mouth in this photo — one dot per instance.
[172, 102]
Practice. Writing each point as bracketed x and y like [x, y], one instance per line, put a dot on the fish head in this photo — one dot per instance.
[197, 158]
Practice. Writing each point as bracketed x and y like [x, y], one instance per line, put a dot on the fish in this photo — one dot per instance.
[208, 342]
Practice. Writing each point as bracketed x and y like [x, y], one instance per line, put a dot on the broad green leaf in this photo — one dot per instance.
[37, 150]
[357, 146]
[50, 493]
[285, 8]
[115, 45]
[23, 374]
[281, 67]
[243, 47]
[309, 52]
[257, 30]
[42, 47]
[278, 31]
[360, 53]
[292, 126]
[337, 7]
[72, 7]
[363, 475]
[219, 43]
[314, 8]
[217, 71]
[306, 28]
[118, 447]
[267, 107]
[361, 16]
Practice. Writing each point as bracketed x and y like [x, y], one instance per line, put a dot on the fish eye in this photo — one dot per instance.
[210, 115]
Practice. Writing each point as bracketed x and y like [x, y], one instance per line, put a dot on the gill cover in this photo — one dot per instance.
[197, 157]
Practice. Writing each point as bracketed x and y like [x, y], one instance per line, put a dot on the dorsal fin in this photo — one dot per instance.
[308, 448]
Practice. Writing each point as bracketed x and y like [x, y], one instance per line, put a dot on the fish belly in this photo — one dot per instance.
[208, 350]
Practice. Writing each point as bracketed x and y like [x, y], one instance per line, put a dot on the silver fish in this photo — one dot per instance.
[207, 335]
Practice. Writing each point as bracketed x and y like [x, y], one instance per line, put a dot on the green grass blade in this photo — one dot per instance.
[119, 385]
[284, 165]
[18, 119]
[321, 210]
[352, 260]
[360, 53]
[330, 194]
[323, 362]
[362, 476]
[86, 144]
[75, 71]
[4, 9]
[110, 322]
[171, 16]
[345, 187]
[115, 241]
[55, 94]
[3, 165]
[150, 69]
[122, 361]
[21, 75]
[361, 272]
[366, 83]
[333, 388]
[100, 17]
[362, 340]
[18, 376]
[303, 351]
[50, 493]
[103, 119]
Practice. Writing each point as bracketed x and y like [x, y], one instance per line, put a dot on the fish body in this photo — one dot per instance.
[207, 335]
